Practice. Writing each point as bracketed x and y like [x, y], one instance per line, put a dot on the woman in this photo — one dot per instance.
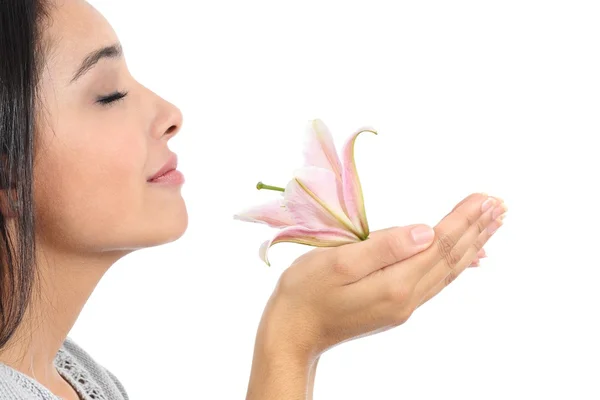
[81, 143]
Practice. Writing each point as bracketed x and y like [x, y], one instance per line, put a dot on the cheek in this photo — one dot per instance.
[90, 183]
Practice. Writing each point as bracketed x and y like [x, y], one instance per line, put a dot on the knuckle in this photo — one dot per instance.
[286, 281]
[380, 260]
[453, 258]
[447, 251]
[391, 249]
[450, 278]
[444, 244]
[481, 225]
[396, 294]
[401, 316]
[467, 219]
[478, 244]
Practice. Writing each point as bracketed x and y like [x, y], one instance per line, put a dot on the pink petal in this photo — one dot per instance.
[353, 196]
[320, 151]
[273, 214]
[311, 237]
[312, 200]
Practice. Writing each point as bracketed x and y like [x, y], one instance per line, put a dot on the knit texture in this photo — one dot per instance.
[90, 380]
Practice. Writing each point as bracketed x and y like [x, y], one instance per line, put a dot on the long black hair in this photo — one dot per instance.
[21, 61]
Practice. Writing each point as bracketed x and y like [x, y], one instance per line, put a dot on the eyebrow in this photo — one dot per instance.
[113, 51]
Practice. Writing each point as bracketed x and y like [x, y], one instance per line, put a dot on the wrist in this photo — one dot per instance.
[286, 333]
[278, 374]
[283, 362]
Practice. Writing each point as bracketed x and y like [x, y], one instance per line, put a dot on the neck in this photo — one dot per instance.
[64, 282]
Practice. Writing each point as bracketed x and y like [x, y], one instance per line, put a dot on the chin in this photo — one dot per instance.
[166, 227]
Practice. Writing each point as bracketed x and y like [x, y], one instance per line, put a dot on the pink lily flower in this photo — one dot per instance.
[323, 204]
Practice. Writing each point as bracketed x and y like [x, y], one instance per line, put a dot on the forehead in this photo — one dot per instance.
[76, 28]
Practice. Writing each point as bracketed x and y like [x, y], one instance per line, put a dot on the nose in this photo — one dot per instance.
[168, 119]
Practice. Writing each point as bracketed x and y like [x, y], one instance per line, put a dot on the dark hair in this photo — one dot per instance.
[21, 54]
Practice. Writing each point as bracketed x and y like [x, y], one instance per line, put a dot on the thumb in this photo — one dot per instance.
[382, 248]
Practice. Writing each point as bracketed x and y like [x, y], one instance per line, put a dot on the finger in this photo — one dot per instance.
[470, 197]
[401, 279]
[385, 247]
[475, 262]
[440, 276]
[472, 216]
[481, 253]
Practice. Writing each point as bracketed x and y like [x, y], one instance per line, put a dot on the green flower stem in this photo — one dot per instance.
[261, 185]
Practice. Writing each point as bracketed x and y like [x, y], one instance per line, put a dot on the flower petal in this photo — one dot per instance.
[330, 237]
[353, 196]
[312, 200]
[272, 213]
[319, 150]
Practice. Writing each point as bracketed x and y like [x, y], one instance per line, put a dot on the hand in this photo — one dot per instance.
[332, 295]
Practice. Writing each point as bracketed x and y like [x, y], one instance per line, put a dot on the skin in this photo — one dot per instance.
[94, 205]
[330, 296]
[92, 199]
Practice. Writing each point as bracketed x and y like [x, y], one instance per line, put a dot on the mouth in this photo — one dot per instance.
[168, 173]
[172, 177]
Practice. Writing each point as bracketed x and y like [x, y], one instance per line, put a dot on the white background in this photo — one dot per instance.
[468, 96]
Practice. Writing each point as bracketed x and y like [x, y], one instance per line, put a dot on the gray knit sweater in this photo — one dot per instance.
[88, 378]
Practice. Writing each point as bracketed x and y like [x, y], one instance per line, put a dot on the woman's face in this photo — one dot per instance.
[94, 155]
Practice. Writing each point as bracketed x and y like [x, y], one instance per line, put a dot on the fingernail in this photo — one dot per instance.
[422, 234]
[481, 253]
[487, 204]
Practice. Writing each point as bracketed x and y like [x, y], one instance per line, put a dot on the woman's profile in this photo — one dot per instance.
[84, 180]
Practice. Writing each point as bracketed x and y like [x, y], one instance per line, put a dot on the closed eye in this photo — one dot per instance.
[111, 98]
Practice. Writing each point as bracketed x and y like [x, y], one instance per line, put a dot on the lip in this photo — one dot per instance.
[173, 177]
[170, 165]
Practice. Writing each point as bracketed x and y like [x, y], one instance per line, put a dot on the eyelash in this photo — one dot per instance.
[111, 98]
